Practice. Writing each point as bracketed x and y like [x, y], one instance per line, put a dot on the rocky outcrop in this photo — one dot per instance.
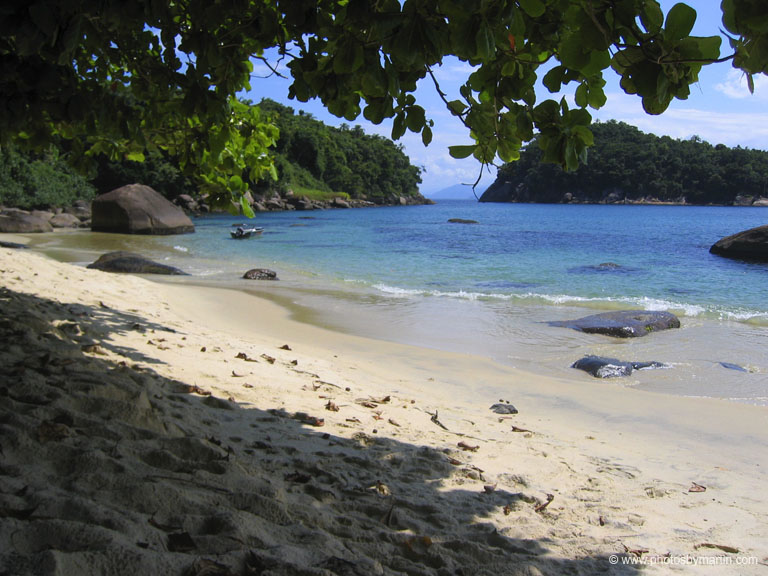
[131, 263]
[138, 209]
[623, 324]
[750, 244]
[20, 222]
[600, 367]
[65, 220]
[260, 274]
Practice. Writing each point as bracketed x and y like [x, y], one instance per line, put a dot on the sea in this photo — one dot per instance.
[493, 287]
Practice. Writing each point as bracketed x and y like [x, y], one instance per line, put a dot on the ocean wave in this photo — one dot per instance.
[755, 317]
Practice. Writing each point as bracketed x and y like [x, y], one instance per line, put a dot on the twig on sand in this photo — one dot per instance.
[724, 548]
[541, 507]
[636, 551]
[436, 421]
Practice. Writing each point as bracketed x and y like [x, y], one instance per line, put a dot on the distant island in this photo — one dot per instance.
[627, 166]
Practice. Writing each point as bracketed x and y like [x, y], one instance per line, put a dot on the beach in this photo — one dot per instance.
[167, 428]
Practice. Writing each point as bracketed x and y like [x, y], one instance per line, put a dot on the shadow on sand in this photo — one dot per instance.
[110, 468]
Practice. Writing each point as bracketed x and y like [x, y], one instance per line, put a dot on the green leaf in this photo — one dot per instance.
[457, 107]
[534, 8]
[135, 156]
[426, 135]
[246, 207]
[652, 17]
[348, 57]
[460, 152]
[553, 79]
[508, 151]
[680, 21]
[582, 96]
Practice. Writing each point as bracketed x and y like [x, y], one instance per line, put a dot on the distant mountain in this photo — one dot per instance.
[456, 192]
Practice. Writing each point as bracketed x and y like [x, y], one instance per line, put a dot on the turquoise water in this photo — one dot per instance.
[406, 274]
[515, 252]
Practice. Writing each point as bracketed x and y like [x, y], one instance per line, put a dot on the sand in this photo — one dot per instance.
[152, 428]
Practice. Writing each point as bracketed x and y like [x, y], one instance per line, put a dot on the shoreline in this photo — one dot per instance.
[513, 331]
[380, 488]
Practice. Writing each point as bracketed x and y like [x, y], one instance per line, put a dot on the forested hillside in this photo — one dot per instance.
[627, 165]
[314, 161]
[311, 156]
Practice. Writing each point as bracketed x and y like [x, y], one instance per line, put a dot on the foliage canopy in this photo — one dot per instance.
[121, 78]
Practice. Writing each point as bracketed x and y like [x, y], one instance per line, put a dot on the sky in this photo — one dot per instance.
[719, 110]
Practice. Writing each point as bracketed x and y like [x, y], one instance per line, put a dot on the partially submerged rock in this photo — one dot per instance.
[138, 209]
[601, 367]
[623, 323]
[132, 263]
[750, 244]
[260, 274]
[462, 221]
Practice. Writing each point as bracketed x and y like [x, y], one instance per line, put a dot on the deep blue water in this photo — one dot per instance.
[613, 256]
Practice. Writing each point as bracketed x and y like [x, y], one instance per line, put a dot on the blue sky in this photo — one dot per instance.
[719, 110]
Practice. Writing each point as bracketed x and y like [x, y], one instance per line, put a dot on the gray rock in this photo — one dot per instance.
[17, 222]
[732, 366]
[186, 202]
[502, 408]
[81, 209]
[601, 367]
[138, 209]
[750, 244]
[623, 323]
[260, 274]
[65, 220]
[131, 263]
[12, 245]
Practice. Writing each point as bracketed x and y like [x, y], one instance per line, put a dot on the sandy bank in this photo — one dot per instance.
[170, 429]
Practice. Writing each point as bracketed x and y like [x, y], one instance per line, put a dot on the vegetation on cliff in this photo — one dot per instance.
[313, 157]
[311, 160]
[627, 165]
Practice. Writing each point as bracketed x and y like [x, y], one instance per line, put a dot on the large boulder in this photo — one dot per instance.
[131, 263]
[17, 222]
[138, 209]
[750, 244]
[623, 323]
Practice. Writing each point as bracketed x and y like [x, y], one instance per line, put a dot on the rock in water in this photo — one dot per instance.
[601, 367]
[623, 324]
[138, 209]
[131, 263]
[260, 274]
[750, 244]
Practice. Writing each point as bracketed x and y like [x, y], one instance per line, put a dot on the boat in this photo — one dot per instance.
[243, 231]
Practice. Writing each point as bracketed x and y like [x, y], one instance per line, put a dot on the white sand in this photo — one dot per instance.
[116, 460]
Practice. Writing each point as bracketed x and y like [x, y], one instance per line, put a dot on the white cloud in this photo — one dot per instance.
[735, 86]
[728, 126]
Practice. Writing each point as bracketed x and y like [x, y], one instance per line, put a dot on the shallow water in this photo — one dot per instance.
[408, 275]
